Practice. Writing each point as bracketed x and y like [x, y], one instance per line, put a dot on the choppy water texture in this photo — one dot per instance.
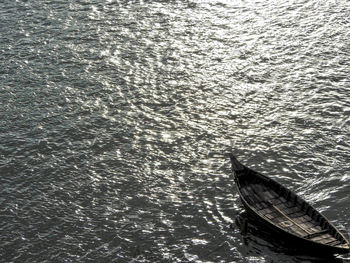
[116, 116]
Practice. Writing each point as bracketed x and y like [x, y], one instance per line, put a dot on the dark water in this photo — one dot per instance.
[116, 116]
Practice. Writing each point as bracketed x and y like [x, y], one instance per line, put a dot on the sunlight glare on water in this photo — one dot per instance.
[117, 117]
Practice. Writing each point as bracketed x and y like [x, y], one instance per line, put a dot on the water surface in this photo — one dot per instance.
[116, 118]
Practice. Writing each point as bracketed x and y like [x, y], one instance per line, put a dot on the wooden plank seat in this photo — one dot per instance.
[319, 233]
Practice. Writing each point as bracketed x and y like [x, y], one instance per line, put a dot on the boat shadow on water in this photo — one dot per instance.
[258, 241]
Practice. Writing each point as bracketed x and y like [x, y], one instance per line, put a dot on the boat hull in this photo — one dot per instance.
[285, 214]
[292, 241]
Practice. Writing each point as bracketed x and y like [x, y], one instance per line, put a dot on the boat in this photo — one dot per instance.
[260, 239]
[286, 214]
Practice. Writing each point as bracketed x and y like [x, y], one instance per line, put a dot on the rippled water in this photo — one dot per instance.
[116, 116]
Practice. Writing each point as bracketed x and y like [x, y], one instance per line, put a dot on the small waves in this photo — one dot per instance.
[116, 119]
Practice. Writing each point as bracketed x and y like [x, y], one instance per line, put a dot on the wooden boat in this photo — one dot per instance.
[285, 213]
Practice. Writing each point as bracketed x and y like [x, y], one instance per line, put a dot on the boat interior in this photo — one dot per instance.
[285, 209]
